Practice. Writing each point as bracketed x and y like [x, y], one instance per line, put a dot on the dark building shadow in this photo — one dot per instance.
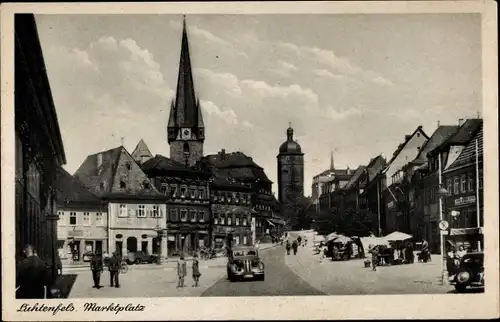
[469, 291]
[65, 283]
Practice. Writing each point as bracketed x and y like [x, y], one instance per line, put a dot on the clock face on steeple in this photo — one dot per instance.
[186, 133]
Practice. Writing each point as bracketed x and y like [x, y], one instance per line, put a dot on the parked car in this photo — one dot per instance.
[141, 257]
[469, 272]
[244, 262]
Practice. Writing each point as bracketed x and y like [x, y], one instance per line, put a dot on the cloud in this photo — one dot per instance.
[229, 116]
[326, 73]
[201, 34]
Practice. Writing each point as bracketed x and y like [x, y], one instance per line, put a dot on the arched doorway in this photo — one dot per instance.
[131, 244]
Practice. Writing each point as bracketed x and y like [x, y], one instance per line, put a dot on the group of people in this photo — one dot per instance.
[397, 254]
[295, 245]
[114, 267]
[33, 276]
[182, 270]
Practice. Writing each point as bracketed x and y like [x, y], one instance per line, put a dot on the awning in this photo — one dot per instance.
[270, 223]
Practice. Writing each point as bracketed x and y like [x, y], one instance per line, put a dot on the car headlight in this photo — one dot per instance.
[463, 277]
[261, 266]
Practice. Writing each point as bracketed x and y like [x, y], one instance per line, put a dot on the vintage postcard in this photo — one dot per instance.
[206, 161]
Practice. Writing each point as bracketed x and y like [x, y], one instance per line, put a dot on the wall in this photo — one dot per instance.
[177, 151]
[406, 155]
[135, 179]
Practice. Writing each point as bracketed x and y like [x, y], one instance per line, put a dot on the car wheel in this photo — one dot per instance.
[460, 288]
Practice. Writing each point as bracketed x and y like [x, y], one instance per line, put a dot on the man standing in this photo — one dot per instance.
[295, 246]
[375, 253]
[114, 270]
[32, 276]
[288, 246]
[299, 239]
[96, 265]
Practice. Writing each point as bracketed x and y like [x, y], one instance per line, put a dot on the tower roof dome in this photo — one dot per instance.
[290, 146]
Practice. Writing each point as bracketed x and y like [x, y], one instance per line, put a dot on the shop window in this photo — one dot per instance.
[141, 211]
[463, 183]
[193, 215]
[156, 211]
[123, 211]
[72, 218]
[173, 191]
[184, 214]
[86, 219]
[201, 216]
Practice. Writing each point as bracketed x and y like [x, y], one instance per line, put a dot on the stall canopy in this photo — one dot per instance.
[374, 241]
[342, 239]
[397, 236]
[270, 223]
[332, 236]
[319, 238]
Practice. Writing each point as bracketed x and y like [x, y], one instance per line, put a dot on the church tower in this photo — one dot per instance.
[186, 130]
[290, 176]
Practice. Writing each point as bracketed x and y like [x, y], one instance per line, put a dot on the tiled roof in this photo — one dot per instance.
[237, 165]
[468, 154]
[102, 173]
[407, 139]
[462, 136]
[441, 134]
[355, 177]
[372, 168]
[160, 163]
[71, 190]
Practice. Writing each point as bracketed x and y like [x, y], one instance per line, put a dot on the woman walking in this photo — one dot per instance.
[196, 270]
[181, 271]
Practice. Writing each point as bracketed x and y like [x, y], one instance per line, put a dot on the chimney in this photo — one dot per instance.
[99, 160]
[222, 155]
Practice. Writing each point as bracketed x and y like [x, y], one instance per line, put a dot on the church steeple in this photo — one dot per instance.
[185, 111]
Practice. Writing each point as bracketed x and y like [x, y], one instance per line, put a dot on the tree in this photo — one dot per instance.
[349, 222]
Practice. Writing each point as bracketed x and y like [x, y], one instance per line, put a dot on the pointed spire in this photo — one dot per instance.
[332, 164]
[171, 118]
[185, 101]
[200, 124]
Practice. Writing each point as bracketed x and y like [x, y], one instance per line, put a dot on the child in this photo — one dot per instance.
[181, 271]
[196, 270]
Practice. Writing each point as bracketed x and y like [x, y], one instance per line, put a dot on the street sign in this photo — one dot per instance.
[443, 225]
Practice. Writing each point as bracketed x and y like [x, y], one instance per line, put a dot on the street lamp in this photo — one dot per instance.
[442, 192]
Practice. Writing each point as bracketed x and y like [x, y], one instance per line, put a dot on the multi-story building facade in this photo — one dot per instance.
[396, 200]
[290, 178]
[187, 194]
[83, 219]
[136, 209]
[463, 179]
[39, 148]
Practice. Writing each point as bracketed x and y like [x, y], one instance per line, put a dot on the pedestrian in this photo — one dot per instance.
[181, 271]
[288, 247]
[96, 266]
[295, 245]
[114, 265]
[374, 252]
[33, 277]
[305, 242]
[299, 239]
[196, 270]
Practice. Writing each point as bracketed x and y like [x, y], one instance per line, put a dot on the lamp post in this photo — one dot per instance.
[442, 192]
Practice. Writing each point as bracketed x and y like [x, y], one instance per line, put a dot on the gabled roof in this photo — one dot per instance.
[374, 166]
[461, 137]
[407, 139]
[468, 154]
[141, 150]
[70, 190]
[103, 173]
[163, 164]
[237, 165]
[355, 177]
[441, 134]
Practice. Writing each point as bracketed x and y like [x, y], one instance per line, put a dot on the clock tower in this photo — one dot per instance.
[290, 176]
[186, 130]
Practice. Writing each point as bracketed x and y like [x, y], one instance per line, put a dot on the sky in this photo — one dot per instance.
[352, 84]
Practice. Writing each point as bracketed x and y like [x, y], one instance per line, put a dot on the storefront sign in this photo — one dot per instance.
[465, 200]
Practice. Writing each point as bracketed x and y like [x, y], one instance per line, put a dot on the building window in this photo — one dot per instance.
[156, 211]
[86, 219]
[183, 192]
[236, 240]
[184, 214]
[216, 220]
[123, 211]
[140, 212]
[193, 215]
[449, 185]
[72, 218]
[237, 221]
[229, 222]
[201, 193]
[146, 185]
[173, 215]
[244, 240]
[99, 219]
[230, 197]
[463, 183]
[244, 221]
[128, 166]
[173, 191]
[123, 185]
[470, 182]
[192, 193]
[222, 220]
[456, 185]
[164, 188]
[201, 216]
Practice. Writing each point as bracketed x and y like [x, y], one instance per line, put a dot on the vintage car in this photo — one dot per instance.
[244, 262]
[140, 257]
[469, 272]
